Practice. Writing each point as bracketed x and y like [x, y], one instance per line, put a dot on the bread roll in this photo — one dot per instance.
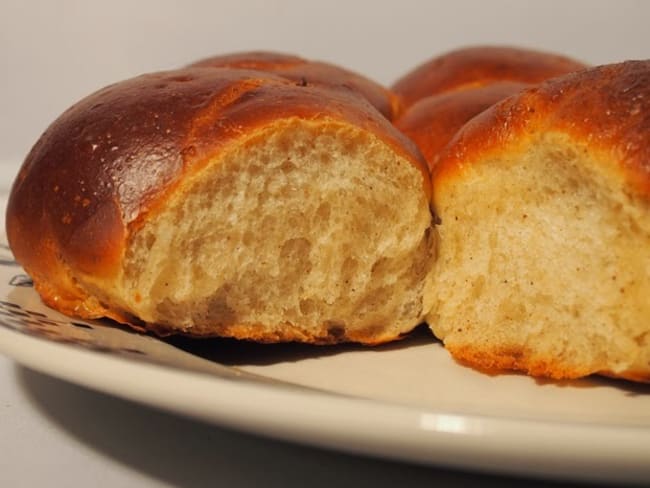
[308, 72]
[432, 121]
[227, 202]
[544, 251]
[472, 67]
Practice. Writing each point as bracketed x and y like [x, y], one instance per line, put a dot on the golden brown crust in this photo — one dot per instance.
[259, 60]
[478, 66]
[325, 334]
[304, 71]
[516, 358]
[432, 121]
[112, 158]
[630, 375]
[606, 108]
[513, 358]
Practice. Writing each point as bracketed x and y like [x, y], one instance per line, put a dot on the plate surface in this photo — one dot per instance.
[407, 401]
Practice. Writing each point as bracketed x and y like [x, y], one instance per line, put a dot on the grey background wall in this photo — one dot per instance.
[54, 52]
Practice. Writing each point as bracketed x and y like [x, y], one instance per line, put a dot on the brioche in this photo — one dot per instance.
[228, 202]
[473, 67]
[544, 250]
[431, 122]
[308, 72]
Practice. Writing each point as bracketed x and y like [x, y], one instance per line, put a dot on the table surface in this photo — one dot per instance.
[55, 433]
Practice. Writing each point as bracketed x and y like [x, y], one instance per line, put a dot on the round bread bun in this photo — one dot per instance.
[432, 122]
[476, 66]
[308, 72]
[228, 202]
[544, 251]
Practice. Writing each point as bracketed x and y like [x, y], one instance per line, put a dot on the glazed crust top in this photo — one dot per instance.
[606, 109]
[432, 121]
[112, 158]
[304, 71]
[480, 65]
[259, 60]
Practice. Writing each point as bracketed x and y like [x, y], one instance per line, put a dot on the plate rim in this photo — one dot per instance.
[356, 425]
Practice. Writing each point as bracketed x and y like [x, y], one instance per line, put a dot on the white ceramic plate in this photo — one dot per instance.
[405, 401]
